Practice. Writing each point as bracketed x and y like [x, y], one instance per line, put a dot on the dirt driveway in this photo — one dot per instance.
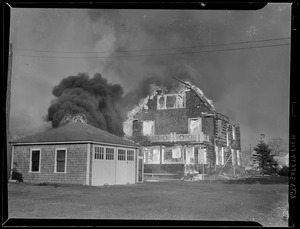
[263, 203]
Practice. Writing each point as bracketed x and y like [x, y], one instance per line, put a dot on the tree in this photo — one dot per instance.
[278, 146]
[265, 158]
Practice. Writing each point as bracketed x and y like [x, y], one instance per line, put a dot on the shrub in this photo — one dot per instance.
[16, 175]
[284, 171]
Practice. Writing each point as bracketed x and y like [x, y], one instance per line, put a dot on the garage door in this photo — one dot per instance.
[104, 166]
[125, 166]
[113, 166]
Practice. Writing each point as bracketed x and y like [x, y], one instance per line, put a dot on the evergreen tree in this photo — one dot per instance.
[265, 159]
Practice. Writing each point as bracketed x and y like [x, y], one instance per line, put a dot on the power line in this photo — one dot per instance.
[160, 54]
[157, 49]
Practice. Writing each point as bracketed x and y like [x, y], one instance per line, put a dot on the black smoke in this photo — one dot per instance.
[94, 97]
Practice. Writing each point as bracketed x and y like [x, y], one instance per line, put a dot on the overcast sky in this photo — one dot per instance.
[251, 86]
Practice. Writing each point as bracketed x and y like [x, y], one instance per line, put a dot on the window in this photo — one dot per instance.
[172, 155]
[99, 153]
[219, 126]
[61, 160]
[35, 160]
[202, 156]
[195, 125]
[148, 127]
[130, 155]
[233, 132]
[121, 155]
[170, 101]
[152, 156]
[110, 154]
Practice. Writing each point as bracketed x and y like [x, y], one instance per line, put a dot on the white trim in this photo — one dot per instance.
[233, 132]
[30, 159]
[55, 162]
[165, 101]
[88, 163]
[223, 158]
[238, 157]
[227, 138]
[12, 160]
[74, 142]
[217, 154]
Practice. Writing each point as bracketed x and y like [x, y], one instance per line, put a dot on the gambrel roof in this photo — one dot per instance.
[75, 132]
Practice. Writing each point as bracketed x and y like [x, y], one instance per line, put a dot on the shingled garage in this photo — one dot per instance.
[77, 153]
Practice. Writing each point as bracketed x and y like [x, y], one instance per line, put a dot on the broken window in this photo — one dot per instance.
[195, 125]
[161, 102]
[181, 101]
[190, 159]
[152, 156]
[148, 127]
[171, 101]
[202, 156]
[172, 155]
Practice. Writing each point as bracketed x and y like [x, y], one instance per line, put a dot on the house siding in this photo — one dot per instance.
[75, 166]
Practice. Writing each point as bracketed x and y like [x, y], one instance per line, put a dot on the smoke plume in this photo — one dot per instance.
[93, 97]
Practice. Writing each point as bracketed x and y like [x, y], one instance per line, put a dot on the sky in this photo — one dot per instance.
[249, 85]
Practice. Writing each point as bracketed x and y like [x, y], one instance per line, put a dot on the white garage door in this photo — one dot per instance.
[104, 166]
[113, 165]
[125, 171]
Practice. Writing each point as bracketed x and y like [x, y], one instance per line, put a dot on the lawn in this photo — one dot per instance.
[176, 200]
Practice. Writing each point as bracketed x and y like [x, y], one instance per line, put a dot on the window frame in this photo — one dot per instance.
[106, 154]
[189, 124]
[55, 160]
[30, 160]
[164, 107]
[125, 156]
[152, 132]
[94, 153]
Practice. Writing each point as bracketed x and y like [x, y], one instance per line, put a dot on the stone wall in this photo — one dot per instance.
[75, 168]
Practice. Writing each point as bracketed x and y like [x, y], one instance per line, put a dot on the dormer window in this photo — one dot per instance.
[170, 101]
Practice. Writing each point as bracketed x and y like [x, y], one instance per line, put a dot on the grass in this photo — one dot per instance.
[177, 200]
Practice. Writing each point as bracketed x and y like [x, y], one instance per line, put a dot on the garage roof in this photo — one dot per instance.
[75, 132]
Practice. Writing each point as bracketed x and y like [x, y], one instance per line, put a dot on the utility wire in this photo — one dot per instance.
[160, 54]
[157, 49]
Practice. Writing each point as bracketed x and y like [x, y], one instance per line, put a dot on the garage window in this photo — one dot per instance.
[35, 160]
[61, 155]
[110, 154]
[121, 155]
[130, 155]
[99, 153]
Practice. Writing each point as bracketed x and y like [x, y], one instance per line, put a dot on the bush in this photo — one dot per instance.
[16, 175]
[284, 171]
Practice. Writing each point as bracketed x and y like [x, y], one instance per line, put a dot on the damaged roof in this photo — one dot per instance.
[75, 132]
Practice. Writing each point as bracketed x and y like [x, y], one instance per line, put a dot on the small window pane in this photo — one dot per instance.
[99, 153]
[181, 101]
[110, 154]
[121, 155]
[130, 155]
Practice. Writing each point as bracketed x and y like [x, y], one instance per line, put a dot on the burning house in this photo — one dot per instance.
[181, 132]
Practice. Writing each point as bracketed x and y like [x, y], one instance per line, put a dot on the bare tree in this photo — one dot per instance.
[278, 146]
